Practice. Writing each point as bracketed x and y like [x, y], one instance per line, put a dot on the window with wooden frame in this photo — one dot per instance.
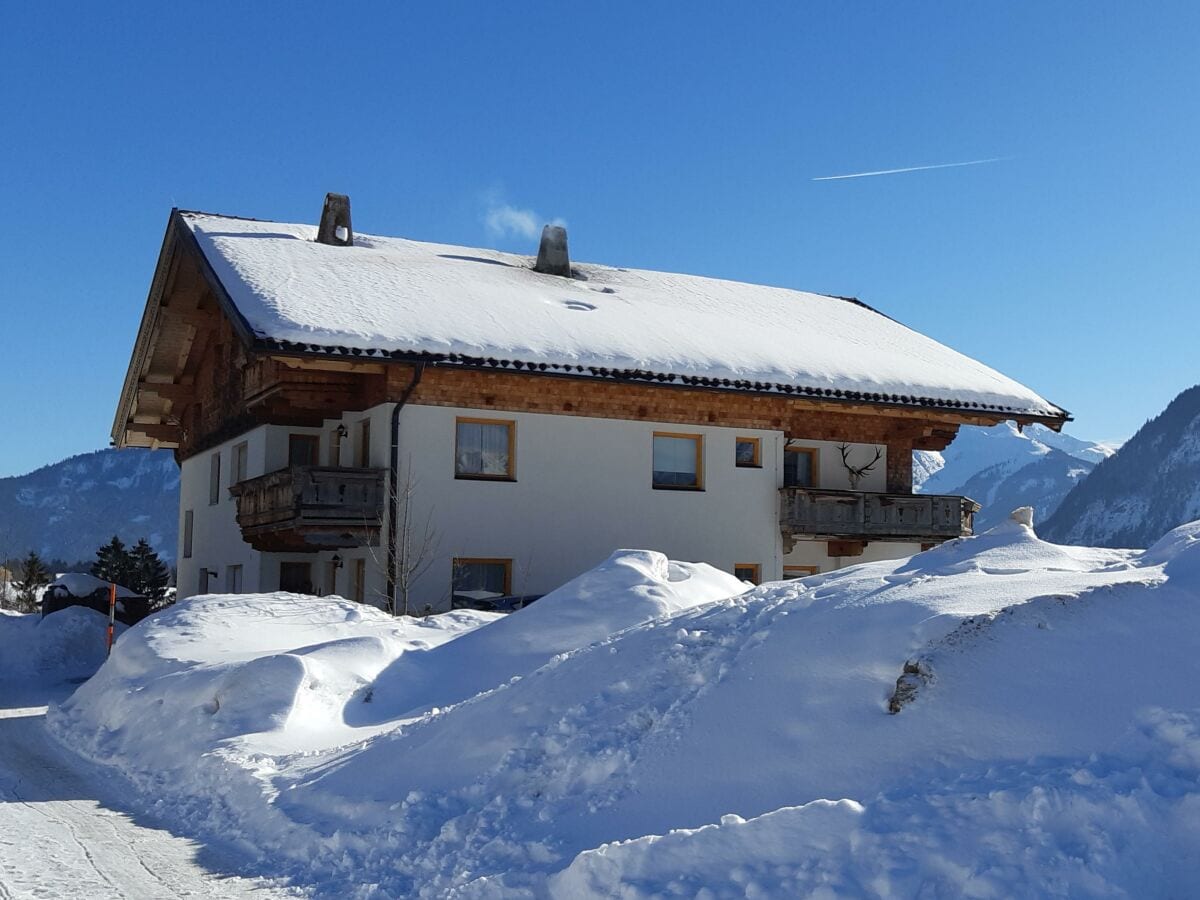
[749, 453]
[475, 579]
[800, 467]
[678, 461]
[239, 462]
[233, 579]
[214, 479]
[790, 572]
[202, 581]
[331, 570]
[188, 525]
[303, 449]
[485, 449]
[751, 572]
[358, 584]
[363, 460]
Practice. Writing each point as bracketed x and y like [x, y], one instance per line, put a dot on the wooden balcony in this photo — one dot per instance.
[861, 516]
[308, 508]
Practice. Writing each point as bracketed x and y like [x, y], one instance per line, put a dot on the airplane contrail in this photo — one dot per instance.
[953, 165]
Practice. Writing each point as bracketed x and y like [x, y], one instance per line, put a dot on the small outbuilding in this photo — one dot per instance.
[81, 589]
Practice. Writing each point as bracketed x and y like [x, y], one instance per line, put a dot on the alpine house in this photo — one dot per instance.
[418, 425]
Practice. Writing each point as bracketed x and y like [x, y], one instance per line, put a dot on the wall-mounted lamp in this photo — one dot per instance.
[341, 432]
[337, 561]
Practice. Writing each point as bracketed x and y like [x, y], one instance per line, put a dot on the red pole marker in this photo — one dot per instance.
[112, 614]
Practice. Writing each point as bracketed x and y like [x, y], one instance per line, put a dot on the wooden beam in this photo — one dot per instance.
[168, 391]
[164, 433]
[845, 548]
[331, 365]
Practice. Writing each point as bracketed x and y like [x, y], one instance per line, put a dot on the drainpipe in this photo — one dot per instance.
[393, 490]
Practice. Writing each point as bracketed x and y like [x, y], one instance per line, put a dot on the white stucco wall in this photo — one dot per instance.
[582, 489]
[216, 539]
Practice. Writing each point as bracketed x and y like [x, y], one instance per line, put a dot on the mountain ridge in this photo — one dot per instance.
[1151, 485]
[1003, 467]
[65, 510]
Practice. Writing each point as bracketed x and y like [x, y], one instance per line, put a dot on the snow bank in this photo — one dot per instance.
[1094, 827]
[65, 645]
[1047, 738]
[203, 694]
[629, 588]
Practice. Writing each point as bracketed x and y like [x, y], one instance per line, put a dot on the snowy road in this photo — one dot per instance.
[63, 831]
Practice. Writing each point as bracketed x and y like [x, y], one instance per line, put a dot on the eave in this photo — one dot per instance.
[146, 413]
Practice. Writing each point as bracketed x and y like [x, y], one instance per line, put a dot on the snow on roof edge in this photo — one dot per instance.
[1050, 412]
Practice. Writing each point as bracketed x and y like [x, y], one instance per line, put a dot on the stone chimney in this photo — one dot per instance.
[552, 252]
[335, 222]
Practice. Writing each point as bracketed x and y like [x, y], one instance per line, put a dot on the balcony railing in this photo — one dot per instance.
[304, 508]
[859, 515]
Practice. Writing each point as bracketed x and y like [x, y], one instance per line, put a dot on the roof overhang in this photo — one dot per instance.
[155, 383]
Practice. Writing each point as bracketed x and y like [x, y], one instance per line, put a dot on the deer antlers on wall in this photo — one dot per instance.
[857, 472]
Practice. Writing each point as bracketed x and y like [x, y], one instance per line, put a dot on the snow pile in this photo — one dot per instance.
[631, 587]
[420, 297]
[207, 673]
[1048, 738]
[1094, 827]
[68, 644]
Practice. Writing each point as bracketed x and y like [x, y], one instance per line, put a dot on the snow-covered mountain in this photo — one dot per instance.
[1003, 468]
[68, 509]
[1149, 487]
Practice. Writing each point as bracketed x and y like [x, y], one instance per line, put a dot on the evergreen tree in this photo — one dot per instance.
[149, 574]
[113, 563]
[34, 576]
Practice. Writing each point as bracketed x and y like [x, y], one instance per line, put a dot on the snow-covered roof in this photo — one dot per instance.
[81, 584]
[394, 297]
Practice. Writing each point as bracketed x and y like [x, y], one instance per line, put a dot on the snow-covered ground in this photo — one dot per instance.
[658, 729]
[67, 828]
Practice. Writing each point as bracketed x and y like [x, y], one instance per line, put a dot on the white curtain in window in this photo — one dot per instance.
[675, 460]
[482, 448]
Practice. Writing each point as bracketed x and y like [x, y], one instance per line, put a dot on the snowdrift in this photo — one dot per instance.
[68, 644]
[631, 587]
[1048, 739]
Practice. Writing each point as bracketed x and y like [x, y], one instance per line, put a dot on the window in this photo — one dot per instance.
[800, 467]
[484, 448]
[751, 572]
[295, 577]
[238, 462]
[749, 453]
[358, 589]
[480, 579]
[202, 581]
[302, 449]
[233, 579]
[331, 569]
[790, 572]
[678, 461]
[214, 479]
[364, 444]
[187, 534]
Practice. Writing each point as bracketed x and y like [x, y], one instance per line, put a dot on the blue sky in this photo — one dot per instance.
[673, 136]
